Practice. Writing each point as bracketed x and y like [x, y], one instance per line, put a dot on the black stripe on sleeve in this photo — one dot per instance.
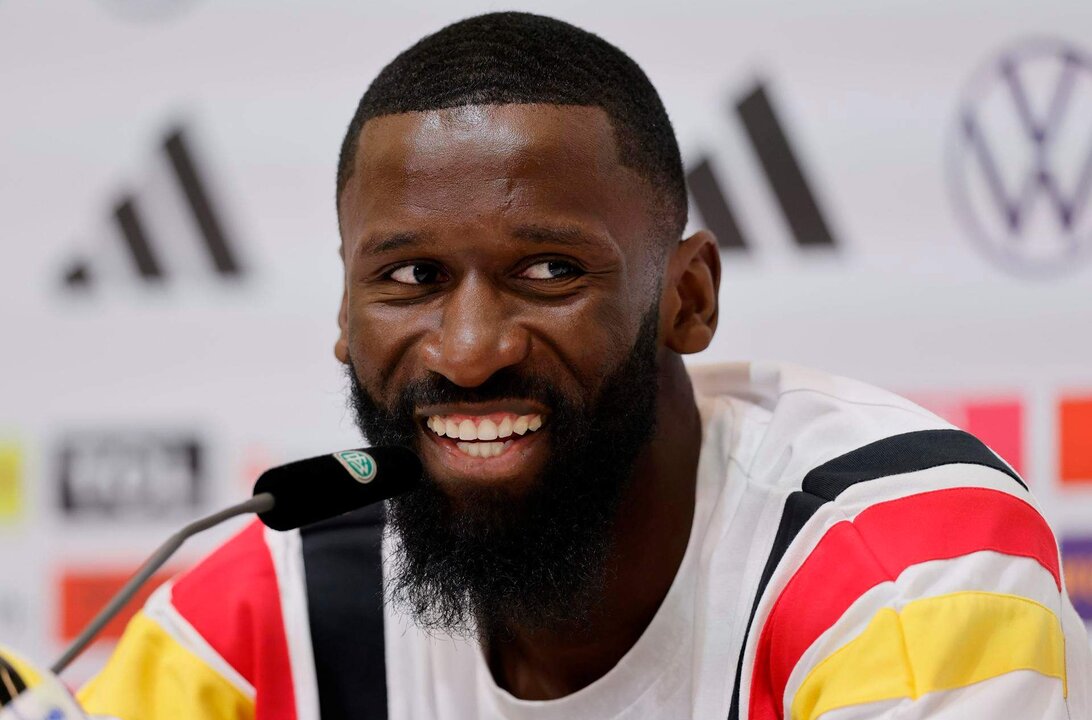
[900, 454]
[895, 455]
[799, 508]
[344, 575]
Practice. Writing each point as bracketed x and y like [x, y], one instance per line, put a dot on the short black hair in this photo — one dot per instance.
[519, 58]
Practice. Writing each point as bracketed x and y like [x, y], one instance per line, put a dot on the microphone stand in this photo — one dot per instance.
[262, 502]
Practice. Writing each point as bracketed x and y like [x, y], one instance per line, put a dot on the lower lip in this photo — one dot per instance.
[514, 461]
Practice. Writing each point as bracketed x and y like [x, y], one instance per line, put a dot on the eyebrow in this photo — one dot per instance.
[539, 234]
[544, 234]
[393, 241]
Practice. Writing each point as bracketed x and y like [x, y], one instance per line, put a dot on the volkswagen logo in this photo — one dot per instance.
[1021, 161]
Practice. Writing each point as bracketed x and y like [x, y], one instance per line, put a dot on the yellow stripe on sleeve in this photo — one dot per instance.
[937, 643]
[151, 676]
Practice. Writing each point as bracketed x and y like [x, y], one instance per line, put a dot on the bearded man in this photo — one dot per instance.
[594, 538]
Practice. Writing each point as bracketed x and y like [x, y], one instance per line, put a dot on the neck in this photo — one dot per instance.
[648, 543]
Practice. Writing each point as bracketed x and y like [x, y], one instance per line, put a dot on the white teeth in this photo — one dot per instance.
[467, 430]
[487, 430]
[483, 449]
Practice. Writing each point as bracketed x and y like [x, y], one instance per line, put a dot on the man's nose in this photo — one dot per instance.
[478, 336]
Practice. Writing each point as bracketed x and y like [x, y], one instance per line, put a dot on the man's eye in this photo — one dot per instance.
[550, 270]
[416, 274]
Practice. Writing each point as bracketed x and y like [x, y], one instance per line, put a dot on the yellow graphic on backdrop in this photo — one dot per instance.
[11, 482]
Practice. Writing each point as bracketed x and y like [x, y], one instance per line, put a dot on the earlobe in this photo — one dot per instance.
[341, 346]
[691, 297]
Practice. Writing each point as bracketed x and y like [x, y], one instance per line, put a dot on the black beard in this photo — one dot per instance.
[494, 558]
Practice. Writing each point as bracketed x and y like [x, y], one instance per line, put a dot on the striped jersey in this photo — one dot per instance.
[852, 557]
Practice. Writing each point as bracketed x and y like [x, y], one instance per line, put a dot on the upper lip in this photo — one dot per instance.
[516, 407]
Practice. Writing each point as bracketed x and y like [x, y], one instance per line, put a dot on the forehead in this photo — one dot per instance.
[495, 160]
[476, 134]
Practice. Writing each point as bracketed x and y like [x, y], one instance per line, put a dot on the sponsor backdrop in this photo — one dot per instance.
[901, 192]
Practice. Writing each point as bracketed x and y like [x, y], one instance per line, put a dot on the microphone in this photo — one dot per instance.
[285, 498]
[321, 487]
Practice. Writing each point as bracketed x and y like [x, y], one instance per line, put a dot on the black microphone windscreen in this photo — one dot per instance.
[322, 487]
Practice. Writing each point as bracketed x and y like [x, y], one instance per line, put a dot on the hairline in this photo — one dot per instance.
[659, 206]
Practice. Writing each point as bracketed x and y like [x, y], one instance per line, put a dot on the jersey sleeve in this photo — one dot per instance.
[943, 604]
[209, 645]
[963, 654]
[157, 673]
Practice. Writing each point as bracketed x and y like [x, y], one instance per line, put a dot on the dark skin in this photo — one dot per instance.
[486, 237]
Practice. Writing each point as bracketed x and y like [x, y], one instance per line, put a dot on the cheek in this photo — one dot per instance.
[575, 345]
[381, 340]
[587, 341]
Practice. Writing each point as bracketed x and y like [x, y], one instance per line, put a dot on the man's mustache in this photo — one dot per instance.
[506, 384]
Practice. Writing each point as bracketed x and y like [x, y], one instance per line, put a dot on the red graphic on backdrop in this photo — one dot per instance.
[996, 421]
[1075, 439]
[85, 592]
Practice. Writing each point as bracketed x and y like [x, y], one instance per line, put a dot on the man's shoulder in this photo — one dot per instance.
[233, 597]
[889, 518]
[860, 467]
[791, 422]
[243, 561]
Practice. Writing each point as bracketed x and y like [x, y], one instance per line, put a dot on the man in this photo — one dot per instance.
[594, 539]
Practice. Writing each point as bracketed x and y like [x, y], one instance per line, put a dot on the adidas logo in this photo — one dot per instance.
[787, 182]
[170, 229]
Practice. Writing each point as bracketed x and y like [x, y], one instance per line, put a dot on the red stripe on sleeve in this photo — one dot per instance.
[233, 601]
[882, 541]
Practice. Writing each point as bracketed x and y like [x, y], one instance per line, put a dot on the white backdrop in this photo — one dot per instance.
[129, 402]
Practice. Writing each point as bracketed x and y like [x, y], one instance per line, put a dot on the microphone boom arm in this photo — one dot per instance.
[262, 502]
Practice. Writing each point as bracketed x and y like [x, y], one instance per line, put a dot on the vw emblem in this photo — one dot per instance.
[1021, 162]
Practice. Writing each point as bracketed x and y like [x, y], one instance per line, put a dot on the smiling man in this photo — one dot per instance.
[600, 533]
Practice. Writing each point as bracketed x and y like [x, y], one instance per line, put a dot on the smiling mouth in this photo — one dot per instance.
[485, 436]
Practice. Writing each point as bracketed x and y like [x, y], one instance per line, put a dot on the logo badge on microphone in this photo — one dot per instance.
[360, 464]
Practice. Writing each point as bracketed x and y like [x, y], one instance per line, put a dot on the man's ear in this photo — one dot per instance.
[341, 345]
[688, 308]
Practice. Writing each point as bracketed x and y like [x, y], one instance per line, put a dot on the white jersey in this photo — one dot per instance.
[852, 556]
[879, 599]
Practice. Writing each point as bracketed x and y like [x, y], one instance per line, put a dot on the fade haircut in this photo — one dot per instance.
[518, 58]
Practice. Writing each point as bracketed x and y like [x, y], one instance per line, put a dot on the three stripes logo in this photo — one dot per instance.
[784, 173]
[170, 229]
